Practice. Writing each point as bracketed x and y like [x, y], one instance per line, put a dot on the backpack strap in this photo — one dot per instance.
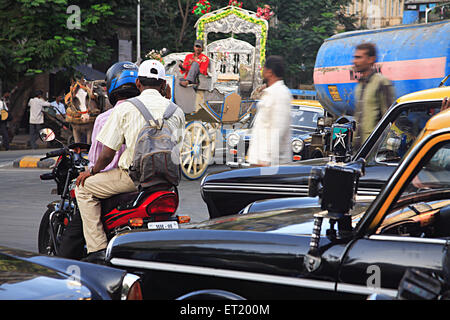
[145, 112]
[171, 108]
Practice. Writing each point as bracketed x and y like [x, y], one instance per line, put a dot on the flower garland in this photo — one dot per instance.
[155, 55]
[265, 12]
[240, 14]
[235, 3]
[201, 7]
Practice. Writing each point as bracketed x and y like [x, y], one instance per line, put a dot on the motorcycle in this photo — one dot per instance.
[145, 209]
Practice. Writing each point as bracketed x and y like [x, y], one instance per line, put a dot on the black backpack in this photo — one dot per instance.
[154, 151]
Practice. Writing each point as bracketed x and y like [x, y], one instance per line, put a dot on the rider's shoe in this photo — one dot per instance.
[96, 257]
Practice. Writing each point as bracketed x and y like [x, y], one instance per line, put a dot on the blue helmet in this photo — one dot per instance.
[121, 81]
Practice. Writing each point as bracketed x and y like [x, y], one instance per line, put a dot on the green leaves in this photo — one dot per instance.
[35, 36]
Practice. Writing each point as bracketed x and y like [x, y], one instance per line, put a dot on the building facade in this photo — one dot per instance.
[372, 14]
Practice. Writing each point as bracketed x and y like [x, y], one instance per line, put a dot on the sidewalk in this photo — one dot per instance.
[31, 160]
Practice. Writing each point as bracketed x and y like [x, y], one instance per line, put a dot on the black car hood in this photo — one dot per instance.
[27, 275]
[286, 219]
[295, 173]
[24, 280]
[291, 216]
[258, 242]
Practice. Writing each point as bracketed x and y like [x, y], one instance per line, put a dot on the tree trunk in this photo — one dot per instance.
[184, 15]
[18, 104]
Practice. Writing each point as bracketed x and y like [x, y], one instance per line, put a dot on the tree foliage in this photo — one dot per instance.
[35, 38]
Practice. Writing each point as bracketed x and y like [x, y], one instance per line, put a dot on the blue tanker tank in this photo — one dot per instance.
[413, 57]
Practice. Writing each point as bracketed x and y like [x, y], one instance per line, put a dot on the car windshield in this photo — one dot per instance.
[304, 118]
[400, 134]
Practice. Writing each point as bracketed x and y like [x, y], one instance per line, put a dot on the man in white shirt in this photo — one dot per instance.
[59, 107]
[270, 144]
[36, 116]
[122, 126]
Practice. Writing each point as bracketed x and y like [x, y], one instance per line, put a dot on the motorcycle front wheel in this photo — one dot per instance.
[45, 243]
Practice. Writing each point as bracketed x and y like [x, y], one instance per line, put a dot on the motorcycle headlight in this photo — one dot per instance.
[297, 145]
[233, 140]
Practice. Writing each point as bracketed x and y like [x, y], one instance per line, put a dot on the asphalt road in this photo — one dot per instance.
[23, 200]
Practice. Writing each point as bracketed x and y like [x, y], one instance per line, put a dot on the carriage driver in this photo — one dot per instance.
[193, 64]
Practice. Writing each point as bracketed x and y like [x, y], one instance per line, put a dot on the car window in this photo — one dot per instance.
[400, 135]
[434, 175]
[426, 212]
[304, 118]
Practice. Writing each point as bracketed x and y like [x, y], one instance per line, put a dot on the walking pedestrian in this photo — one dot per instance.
[374, 93]
[270, 144]
[36, 116]
[4, 109]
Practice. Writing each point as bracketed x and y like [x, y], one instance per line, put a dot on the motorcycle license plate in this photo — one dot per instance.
[162, 225]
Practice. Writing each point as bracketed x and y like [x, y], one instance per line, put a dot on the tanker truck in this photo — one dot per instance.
[413, 57]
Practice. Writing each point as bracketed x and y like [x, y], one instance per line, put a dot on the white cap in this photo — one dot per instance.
[152, 69]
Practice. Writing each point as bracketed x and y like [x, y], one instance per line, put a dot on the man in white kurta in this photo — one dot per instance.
[270, 144]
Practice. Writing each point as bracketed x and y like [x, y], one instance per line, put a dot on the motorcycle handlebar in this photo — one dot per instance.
[55, 153]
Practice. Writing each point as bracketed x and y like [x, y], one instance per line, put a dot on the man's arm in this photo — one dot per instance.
[204, 65]
[186, 63]
[105, 158]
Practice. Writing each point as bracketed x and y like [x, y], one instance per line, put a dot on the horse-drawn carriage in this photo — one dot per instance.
[224, 96]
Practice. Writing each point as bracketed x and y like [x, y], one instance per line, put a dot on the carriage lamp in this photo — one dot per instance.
[297, 145]
[233, 139]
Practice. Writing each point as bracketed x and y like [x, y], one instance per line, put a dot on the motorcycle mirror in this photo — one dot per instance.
[47, 135]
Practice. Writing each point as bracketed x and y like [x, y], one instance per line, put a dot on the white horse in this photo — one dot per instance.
[83, 108]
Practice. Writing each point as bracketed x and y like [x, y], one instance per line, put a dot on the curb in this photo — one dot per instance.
[33, 162]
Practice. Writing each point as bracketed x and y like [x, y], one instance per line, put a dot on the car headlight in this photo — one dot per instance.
[297, 145]
[233, 140]
[321, 122]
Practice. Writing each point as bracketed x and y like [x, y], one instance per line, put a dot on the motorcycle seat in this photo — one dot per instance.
[122, 198]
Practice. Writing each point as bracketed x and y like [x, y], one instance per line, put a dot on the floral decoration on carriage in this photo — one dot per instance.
[222, 98]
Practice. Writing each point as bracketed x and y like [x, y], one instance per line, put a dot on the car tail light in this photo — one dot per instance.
[165, 203]
[131, 288]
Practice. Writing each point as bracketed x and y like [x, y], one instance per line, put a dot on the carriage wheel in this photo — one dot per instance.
[196, 151]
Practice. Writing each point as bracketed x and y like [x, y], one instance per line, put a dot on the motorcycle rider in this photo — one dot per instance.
[120, 85]
[123, 125]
